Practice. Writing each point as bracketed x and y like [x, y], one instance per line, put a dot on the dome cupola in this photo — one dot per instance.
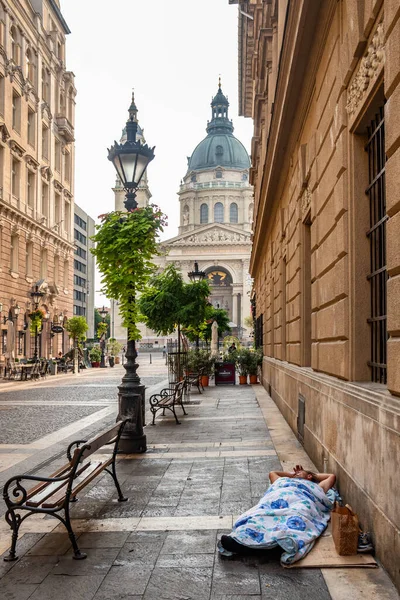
[220, 147]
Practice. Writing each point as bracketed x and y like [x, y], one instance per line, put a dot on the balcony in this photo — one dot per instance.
[213, 184]
[65, 128]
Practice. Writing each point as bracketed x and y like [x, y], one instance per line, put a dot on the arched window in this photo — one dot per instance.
[218, 212]
[14, 45]
[233, 213]
[30, 66]
[218, 174]
[203, 213]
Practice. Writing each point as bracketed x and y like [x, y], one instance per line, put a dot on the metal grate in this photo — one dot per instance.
[259, 332]
[301, 418]
[377, 240]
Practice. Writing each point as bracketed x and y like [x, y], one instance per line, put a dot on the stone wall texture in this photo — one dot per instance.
[313, 99]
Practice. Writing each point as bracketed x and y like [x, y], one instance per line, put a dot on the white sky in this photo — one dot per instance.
[171, 53]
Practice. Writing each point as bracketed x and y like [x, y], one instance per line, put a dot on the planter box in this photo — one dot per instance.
[225, 373]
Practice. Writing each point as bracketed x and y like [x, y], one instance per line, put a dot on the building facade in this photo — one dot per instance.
[216, 211]
[37, 103]
[326, 249]
[84, 268]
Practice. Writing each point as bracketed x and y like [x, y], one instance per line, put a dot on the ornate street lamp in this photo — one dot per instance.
[196, 275]
[103, 314]
[36, 296]
[130, 160]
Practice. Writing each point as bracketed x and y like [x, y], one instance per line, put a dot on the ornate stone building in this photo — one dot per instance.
[216, 211]
[37, 103]
[216, 208]
[321, 81]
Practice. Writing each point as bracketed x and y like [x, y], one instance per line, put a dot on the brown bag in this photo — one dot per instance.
[345, 530]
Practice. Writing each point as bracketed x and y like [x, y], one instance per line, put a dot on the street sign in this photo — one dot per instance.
[57, 329]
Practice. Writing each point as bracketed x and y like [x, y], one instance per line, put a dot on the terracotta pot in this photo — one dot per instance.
[205, 380]
[242, 379]
[253, 379]
[95, 364]
[117, 360]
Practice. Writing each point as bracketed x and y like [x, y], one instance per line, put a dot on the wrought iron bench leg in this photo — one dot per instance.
[14, 521]
[78, 555]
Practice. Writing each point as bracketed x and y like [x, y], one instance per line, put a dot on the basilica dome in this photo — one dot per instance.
[220, 148]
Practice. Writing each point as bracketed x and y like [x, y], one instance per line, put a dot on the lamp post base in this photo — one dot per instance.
[130, 406]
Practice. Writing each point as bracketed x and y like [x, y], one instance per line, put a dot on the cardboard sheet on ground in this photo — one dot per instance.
[324, 555]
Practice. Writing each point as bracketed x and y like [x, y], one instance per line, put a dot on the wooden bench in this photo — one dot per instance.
[52, 495]
[195, 380]
[168, 398]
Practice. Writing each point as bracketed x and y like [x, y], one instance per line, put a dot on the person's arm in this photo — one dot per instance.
[326, 480]
[274, 475]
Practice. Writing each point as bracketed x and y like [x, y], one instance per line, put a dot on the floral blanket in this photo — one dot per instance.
[292, 514]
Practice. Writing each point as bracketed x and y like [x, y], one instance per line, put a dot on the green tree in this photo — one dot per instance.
[125, 246]
[77, 328]
[169, 303]
[215, 314]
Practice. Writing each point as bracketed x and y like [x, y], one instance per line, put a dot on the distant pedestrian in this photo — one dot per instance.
[232, 348]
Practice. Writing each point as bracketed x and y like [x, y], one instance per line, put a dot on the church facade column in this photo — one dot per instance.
[235, 307]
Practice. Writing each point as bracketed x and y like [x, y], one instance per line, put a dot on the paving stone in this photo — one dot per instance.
[142, 552]
[106, 539]
[30, 570]
[278, 583]
[51, 544]
[182, 583]
[173, 561]
[189, 542]
[123, 581]
[200, 508]
[232, 577]
[66, 587]
[159, 511]
[24, 544]
[154, 537]
[97, 562]
[21, 592]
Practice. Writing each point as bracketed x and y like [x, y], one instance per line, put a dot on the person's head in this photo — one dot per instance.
[60, 354]
[303, 474]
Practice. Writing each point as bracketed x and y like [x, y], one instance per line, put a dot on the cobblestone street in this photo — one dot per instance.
[183, 494]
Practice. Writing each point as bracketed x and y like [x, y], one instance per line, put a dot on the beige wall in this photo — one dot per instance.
[37, 104]
[311, 256]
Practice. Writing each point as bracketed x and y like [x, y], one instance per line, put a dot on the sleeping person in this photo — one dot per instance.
[293, 513]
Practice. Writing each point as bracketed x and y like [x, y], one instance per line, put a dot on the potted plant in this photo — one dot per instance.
[201, 361]
[95, 356]
[255, 361]
[113, 349]
[242, 360]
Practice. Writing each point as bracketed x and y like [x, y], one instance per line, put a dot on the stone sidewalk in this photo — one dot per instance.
[183, 494]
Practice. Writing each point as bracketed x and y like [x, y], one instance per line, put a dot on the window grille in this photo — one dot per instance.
[259, 332]
[377, 240]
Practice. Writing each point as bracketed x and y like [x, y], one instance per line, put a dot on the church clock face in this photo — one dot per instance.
[218, 278]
